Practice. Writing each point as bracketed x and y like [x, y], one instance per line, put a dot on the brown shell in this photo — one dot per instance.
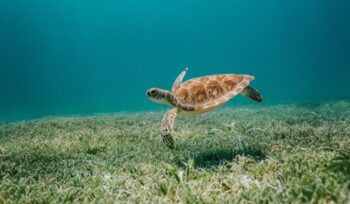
[211, 91]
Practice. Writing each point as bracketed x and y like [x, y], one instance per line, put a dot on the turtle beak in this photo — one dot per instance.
[148, 93]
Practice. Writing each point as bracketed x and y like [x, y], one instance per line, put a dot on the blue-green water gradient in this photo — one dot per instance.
[63, 57]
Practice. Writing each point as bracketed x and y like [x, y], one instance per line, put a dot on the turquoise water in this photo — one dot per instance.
[84, 57]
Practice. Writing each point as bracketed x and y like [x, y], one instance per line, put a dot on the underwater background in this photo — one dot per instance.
[85, 57]
[76, 125]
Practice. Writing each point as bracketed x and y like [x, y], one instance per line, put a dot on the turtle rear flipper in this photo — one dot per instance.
[252, 94]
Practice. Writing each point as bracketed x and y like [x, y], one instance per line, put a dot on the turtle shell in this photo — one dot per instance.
[208, 92]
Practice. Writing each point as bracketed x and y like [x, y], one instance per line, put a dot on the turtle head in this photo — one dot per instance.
[158, 95]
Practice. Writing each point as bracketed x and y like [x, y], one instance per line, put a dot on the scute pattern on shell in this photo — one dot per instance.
[211, 91]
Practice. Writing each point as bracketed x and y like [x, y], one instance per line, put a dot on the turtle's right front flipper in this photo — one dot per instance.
[167, 127]
[179, 80]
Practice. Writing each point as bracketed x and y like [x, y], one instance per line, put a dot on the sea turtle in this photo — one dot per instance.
[199, 95]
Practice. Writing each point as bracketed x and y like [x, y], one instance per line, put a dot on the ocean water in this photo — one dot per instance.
[67, 66]
[86, 57]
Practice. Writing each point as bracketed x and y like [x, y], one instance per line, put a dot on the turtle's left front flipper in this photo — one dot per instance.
[167, 127]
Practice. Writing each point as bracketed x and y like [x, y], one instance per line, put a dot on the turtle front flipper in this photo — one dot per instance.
[179, 80]
[167, 127]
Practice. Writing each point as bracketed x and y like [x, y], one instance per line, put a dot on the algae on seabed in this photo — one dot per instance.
[284, 153]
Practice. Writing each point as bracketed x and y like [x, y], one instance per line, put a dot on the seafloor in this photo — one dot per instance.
[272, 154]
